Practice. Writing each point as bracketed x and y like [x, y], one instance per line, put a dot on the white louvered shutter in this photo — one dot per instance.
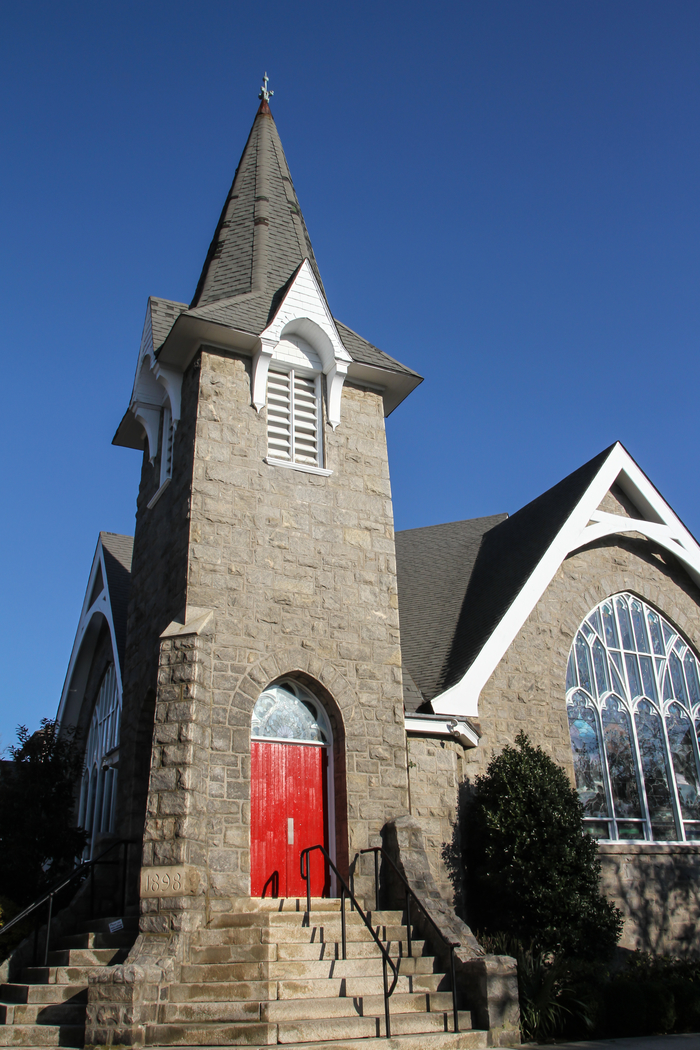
[305, 421]
[279, 415]
[292, 418]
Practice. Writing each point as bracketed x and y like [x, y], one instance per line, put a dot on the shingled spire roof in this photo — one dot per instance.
[261, 238]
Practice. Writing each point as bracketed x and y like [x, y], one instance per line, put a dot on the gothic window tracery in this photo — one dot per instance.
[99, 785]
[633, 702]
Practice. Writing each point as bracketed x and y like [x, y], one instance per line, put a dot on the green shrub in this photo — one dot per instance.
[531, 869]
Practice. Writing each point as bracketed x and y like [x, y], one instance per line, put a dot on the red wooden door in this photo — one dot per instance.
[288, 812]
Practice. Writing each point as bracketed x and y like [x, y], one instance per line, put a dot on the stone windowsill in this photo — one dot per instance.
[647, 848]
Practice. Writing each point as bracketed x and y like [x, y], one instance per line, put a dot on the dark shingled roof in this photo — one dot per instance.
[364, 352]
[117, 551]
[433, 566]
[260, 242]
[456, 582]
[261, 237]
[164, 313]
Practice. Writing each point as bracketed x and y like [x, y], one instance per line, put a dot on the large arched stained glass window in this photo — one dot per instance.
[633, 700]
[99, 787]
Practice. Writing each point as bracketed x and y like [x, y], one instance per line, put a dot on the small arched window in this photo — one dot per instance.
[99, 785]
[288, 712]
[633, 700]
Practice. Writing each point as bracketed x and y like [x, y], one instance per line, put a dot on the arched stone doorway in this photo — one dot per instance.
[291, 790]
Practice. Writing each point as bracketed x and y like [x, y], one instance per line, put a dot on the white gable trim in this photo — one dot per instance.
[154, 386]
[304, 312]
[84, 644]
[585, 525]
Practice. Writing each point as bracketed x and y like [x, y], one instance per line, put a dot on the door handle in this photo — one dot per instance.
[290, 831]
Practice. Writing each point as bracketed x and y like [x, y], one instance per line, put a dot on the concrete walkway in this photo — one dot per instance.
[683, 1041]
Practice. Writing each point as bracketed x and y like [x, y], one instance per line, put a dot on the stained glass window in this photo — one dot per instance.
[288, 711]
[633, 700]
[98, 790]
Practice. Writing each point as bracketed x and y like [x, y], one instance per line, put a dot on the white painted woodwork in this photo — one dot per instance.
[657, 521]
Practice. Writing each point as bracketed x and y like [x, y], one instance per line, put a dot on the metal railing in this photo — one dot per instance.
[86, 870]
[345, 891]
[410, 894]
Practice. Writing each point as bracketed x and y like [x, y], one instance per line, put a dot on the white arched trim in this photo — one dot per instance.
[585, 525]
[95, 612]
[304, 312]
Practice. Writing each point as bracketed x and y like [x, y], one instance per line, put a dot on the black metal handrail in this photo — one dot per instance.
[88, 867]
[346, 891]
[410, 893]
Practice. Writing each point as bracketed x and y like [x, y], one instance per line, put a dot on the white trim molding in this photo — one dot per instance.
[91, 616]
[586, 524]
[433, 725]
[303, 313]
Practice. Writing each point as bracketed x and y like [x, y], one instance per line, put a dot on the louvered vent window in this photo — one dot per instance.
[166, 462]
[293, 423]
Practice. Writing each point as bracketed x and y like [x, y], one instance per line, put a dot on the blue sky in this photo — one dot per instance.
[503, 195]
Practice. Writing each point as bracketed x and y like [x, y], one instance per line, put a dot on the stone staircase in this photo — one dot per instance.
[47, 1008]
[259, 976]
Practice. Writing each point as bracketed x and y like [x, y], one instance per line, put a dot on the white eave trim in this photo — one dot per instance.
[586, 524]
[430, 725]
[102, 606]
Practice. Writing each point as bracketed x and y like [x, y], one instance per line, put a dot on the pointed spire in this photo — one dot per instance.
[261, 238]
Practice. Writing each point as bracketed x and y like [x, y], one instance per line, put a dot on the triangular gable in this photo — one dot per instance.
[520, 557]
[111, 566]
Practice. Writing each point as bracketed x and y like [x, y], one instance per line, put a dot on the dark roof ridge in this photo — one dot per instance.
[458, 521]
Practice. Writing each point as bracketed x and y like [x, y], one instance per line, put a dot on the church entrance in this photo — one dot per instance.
[291, 781]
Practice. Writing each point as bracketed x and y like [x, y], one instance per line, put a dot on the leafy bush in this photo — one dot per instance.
[531, 869]
[38, 839]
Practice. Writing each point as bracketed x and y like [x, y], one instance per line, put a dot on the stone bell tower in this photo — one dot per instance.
[263, 552]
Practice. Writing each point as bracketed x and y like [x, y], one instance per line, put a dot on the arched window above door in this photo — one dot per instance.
[289, 712]
[633, 700]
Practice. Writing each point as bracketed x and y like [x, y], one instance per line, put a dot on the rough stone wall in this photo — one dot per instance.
[657, 888]
[436, 770]
[527, 692]
[157, 597]
[299, 570]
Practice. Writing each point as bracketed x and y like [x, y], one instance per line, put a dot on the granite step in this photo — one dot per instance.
[470, 1040]
[355, 986]
[300, 918]
[293, 969]
[235, 1034]
[400, 1002]
[298, 970]
[43, 993]
[43, 1013]
[58, 974]
[253, 991]
[330, 931]
[36, 1035]
[367, 1027]
[354, 950]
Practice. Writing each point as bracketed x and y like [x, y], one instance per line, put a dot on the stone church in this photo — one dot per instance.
[267, 667]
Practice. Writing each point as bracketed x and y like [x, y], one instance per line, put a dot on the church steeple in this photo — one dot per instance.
[261, 238]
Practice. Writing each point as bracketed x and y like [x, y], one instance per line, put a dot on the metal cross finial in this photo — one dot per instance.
[265, 95]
